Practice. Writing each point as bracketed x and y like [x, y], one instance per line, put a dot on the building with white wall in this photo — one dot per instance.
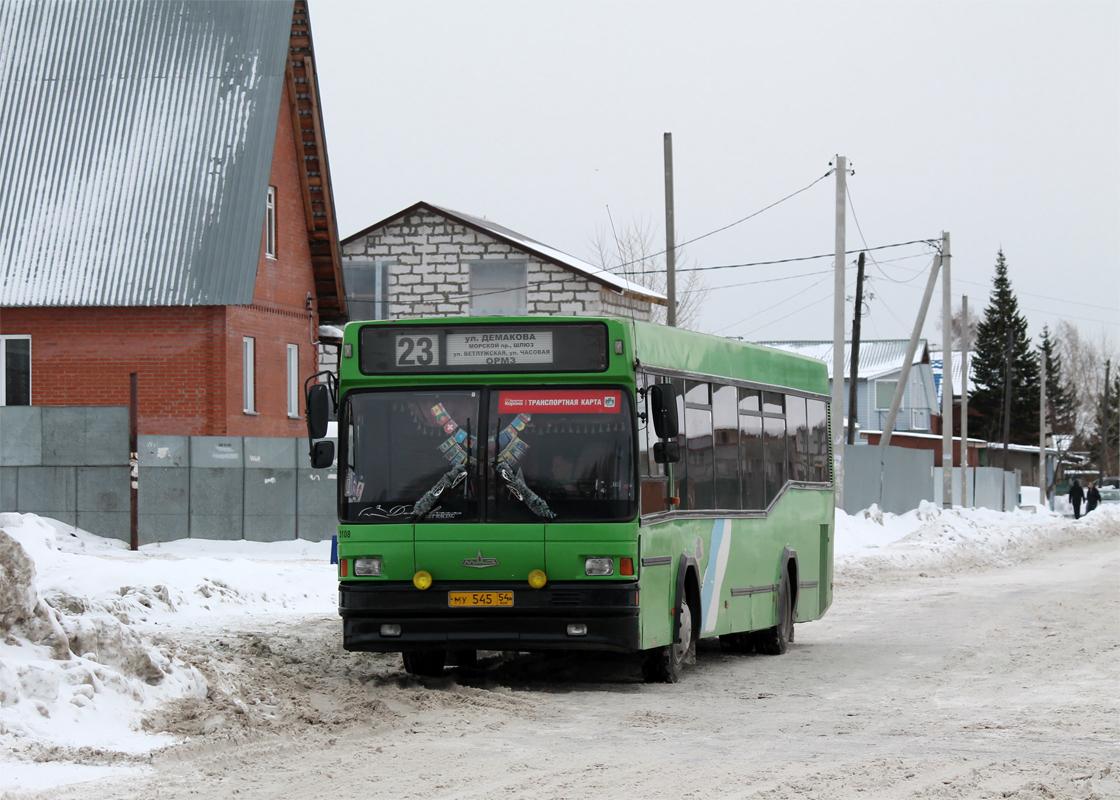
[428, 261]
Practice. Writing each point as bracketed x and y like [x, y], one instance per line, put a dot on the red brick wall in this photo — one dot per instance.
[189, 359]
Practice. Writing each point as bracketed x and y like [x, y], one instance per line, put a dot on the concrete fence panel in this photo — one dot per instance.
[21, 437]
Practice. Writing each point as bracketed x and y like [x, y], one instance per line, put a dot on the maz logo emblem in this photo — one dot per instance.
[479, 562]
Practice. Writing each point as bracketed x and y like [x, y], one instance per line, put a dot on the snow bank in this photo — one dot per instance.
[873, 542]
[80, 618]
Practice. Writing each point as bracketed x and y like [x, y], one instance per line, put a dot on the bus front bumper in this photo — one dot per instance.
[539, 619]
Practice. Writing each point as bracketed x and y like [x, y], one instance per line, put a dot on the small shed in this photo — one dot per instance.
[431, 261]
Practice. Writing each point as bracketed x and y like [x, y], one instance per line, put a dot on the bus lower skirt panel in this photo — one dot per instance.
[620, 634]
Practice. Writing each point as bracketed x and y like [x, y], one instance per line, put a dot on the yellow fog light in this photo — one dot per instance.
[422, 580]
[537, 578]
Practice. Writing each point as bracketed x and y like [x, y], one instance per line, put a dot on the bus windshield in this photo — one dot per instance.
[572, 448]
[551, 454]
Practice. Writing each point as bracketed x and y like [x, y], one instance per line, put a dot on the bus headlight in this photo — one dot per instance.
[598, 566]
[422, 579]
[367, 567]
[537, 578]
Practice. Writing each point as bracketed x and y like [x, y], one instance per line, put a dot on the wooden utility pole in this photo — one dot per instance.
[946, 376]
[966, 340]
[134, 466]
[670, 237]
[853, 371]
[838, 333]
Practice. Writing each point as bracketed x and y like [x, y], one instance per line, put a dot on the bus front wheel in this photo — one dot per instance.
[426, 663]
[663, 664]
[774, 641]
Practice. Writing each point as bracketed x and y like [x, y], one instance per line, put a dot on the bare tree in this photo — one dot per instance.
[631, 252]
[1083, 366]
[957, 328]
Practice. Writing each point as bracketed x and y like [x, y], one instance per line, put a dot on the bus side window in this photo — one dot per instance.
[654, 482]
[797, 445]
[817, 421]
[774, 440]
[680, 469]
[750, 450]
[725, 416]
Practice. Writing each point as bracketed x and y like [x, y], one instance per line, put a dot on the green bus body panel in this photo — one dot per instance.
[741, 554]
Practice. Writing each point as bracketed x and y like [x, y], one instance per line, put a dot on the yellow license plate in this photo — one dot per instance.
[483, 599]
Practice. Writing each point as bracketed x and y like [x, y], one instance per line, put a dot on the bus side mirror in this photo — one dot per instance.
[318, 410]
[322, 454]
[663, 409]
[666, 452]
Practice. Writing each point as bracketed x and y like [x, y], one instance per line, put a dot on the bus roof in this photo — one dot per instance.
[689, 351]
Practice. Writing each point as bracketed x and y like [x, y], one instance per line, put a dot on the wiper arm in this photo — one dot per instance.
[526, 495]
[425, 504]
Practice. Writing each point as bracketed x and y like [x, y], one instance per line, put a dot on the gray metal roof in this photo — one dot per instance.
[877, 357]
[137, 140]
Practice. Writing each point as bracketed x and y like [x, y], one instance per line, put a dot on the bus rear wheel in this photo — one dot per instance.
[775, 641]
[663, 664]
[426, 663]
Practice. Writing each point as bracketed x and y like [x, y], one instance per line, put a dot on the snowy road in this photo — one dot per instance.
[941, 682]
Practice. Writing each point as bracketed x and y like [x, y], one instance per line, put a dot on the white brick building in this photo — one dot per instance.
[429, 261]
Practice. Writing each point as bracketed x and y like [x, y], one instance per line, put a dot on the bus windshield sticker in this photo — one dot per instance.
[578, 401]
[499, 347]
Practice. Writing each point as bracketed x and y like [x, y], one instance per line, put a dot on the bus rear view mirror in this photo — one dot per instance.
[663, 409]
[666, 452]
[322, 454]
[318, 410]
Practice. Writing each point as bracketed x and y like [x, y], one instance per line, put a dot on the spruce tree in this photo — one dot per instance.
[1061, 403]
[1002, 337]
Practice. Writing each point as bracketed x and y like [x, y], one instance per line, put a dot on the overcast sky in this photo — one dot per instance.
[998, 122]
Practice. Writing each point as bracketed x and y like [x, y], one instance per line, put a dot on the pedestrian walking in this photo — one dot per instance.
[1076, 495]
[1092, 497]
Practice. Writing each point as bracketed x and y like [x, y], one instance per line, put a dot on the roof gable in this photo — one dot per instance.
[143, 159]
[528, 245]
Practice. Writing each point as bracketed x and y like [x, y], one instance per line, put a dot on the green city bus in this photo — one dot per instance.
[533, 483]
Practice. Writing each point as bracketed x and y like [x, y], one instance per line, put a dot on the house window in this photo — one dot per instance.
[884, 394]
[15, 370]
[293, 380]
[248, 375]
[270, 224]
[367, 289]
[498, 288]
[919, 419]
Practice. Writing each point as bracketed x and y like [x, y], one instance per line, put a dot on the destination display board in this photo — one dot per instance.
[559, 347]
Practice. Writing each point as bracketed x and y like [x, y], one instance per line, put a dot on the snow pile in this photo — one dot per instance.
[87, 643]
[873, 542]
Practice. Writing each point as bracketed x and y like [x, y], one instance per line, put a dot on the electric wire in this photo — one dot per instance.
[718, 230]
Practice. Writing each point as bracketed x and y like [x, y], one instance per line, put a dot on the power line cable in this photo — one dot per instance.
[783, 260]
[718, 230]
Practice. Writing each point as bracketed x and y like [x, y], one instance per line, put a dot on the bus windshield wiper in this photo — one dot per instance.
[526, 495]
[449, 480]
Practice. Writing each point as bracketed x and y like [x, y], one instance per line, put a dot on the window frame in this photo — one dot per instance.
[248, 375]
[523, 289]
[292, 353]
[4, 339]
[270, 224]
[894, 385]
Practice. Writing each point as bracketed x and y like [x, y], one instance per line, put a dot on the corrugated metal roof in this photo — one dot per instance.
[137, 143]
[877, 357]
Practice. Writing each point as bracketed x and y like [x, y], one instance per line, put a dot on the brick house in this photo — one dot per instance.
[169, 212]
[431, 261]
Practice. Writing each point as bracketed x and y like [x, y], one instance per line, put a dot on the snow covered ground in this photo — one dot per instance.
[93, 634]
